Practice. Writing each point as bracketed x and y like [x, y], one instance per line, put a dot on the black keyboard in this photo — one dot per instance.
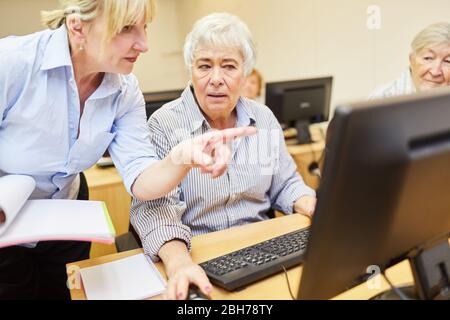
[240, 268]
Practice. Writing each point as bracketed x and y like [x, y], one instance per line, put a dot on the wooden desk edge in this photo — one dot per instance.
[254, 233]
[400, 274]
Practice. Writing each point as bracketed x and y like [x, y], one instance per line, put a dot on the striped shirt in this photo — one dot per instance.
[261, 175]
[402, 86]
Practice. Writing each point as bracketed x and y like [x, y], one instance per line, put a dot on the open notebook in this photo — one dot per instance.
[40, 220]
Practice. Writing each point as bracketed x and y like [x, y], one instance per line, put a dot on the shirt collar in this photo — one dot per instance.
[245, 115]
[196, 118]
[57, 53]
[111, 84]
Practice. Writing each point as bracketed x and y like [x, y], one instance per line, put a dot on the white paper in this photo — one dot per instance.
[14, 192]
[131, 278]
[41, 220]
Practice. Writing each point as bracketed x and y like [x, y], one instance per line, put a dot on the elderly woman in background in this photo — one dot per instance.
[66, 95]
[253, 86]
[219, 53]
[429, 64]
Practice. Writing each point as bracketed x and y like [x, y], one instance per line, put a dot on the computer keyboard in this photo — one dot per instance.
[240, 268]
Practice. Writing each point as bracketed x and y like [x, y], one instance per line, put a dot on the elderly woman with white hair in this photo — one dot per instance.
[429, 64]
[66, 95]
[219, 53]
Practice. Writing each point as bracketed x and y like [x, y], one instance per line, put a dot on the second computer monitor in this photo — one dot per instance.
[155, 100]
[299, 103]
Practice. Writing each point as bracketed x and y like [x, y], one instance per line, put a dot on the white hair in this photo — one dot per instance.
[434, 34]
[221, 29]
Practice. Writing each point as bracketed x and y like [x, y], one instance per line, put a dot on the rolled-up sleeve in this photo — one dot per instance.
[287, 184]
[131, 149]
[159, 221]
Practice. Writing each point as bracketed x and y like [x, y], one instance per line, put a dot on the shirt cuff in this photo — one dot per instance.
[130, 178]
[292, 195]
[159, 236]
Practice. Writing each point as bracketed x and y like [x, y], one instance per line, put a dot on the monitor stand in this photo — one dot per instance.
[431, 271]
[303, 135]
[408, 291]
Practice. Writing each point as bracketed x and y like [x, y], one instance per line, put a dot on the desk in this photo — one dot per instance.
[105, 184]
[208, 246]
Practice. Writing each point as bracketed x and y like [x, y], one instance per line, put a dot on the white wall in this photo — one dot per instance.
[22, 16]
[295, 38]
[160, 69]
[308, 38]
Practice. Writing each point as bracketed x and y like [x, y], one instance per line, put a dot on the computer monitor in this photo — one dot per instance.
[155, 100]
[299, 103]
[384, 196]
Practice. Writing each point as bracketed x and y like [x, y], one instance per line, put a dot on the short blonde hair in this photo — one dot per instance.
[117, 13]
[434, 34]
[222, 29]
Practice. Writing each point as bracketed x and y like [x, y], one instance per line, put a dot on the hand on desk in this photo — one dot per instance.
[182, 271]
[181, 278]
[305, 206]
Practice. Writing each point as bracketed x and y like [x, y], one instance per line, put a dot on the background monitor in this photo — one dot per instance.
[155, 100]
[300, 103]
[384, 196]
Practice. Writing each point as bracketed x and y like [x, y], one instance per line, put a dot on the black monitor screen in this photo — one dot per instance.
[305, 103]
[155, 100]
[385, 193]
[299, 103]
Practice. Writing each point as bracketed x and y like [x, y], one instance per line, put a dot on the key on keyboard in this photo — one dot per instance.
[247, 265]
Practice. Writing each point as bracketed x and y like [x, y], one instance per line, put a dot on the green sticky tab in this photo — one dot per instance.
[108, 218]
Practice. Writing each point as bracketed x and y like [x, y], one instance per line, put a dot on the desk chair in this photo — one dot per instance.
[83, 193]
[128, 241]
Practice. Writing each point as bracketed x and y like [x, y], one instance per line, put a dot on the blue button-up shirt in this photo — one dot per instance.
[41, 132]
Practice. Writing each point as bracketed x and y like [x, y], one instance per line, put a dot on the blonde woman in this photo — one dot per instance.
[67, 95]
[429, 64]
